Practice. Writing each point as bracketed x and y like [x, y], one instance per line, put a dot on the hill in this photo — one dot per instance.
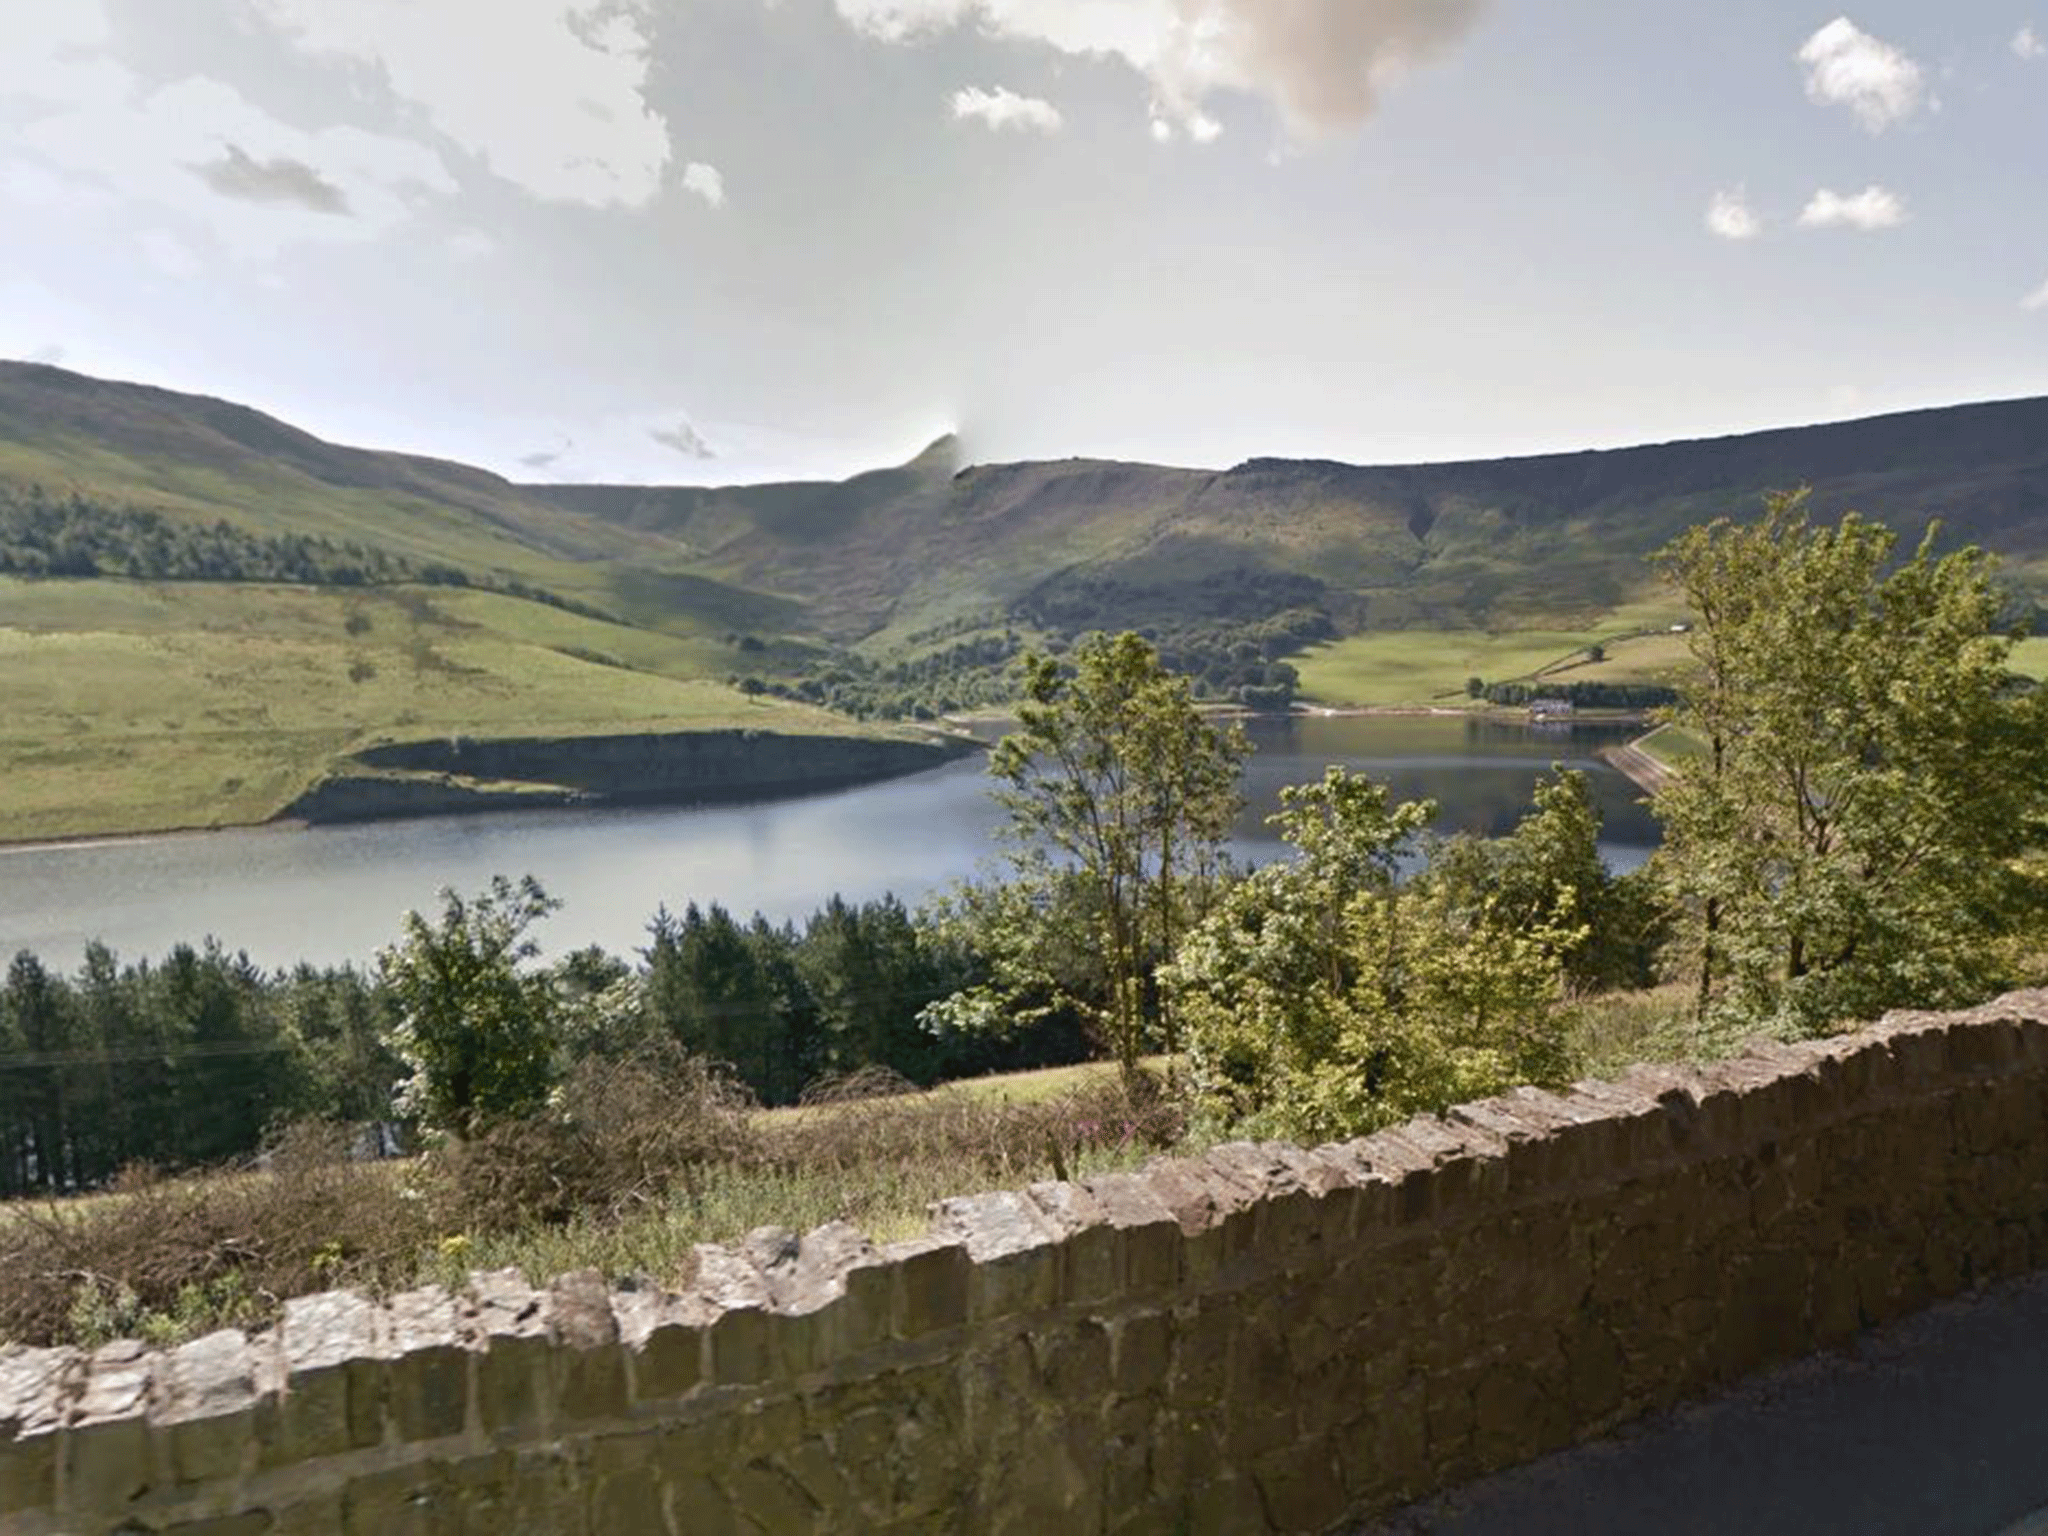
[903, 590]
[1479, 542]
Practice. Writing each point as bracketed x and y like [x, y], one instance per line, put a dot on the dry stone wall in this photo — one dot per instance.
[1262, 1338]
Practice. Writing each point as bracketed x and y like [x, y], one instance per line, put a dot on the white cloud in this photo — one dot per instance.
[199, 148]
[705, 181]
[2026, 45]
[1322, 63]
[1847, 67]
[1004, 108]
[548, 93]
[1874, 207]
[1730, 217]
[86, 129]
[2038, 299]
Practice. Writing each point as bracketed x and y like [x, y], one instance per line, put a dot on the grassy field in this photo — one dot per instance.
[129, 706]
[1671, 746]
[1429, 666]
[2031, 657]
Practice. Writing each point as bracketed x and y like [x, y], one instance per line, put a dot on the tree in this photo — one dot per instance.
[1121, 796]
[1556, 848]
[1323, 997]
[476, 1025]
[1847, 840]
[731, 993]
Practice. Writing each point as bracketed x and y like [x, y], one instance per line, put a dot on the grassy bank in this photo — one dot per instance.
[141, 706]
[1429, 667]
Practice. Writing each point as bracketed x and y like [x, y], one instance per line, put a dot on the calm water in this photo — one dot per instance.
[329, 894]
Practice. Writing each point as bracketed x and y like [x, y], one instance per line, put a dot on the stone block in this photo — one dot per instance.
[930, 1294]
[1089, 1249]
[206, 1395]
[590, 1365]
[332, 1379]
[312, 1514]
[1225, 1504]
[1406, 1157]
[1150, 1236]
[813, 1467]
[254, 1522]
[739, 1347]
[664, 1343]
[426, 1380]
[766, 1496]
[702, 1507]
[1141, 1352]
[106, 1446]
[1300, 1488]
[1014, 1249]
[629, 1501]
[411, 1500]
[504, 1325]
[739, 1343]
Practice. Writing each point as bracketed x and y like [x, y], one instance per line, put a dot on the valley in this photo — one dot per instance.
[161, 675]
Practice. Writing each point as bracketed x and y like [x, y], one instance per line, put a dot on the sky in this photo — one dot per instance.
[729, 240]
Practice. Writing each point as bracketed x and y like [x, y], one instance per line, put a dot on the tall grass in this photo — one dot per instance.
[636, 1164]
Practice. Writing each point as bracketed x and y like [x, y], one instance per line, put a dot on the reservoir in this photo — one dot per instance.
[336, 893]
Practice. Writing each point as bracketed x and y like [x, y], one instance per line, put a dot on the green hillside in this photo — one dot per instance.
[132, 706]
[429, 598]
[1554, 541]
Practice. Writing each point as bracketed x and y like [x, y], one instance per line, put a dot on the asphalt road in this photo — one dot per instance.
[1934, 1426]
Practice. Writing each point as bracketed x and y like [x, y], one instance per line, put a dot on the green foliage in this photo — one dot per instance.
[1228, 632]
[1120, 796]
[1870, 771]
[78, 536]
[477, 1027]
[177, 1063]
[1556, 849]
[1322, 998]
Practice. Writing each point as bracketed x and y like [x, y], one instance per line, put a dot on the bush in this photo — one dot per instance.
[619, 1134]
[159, 1258]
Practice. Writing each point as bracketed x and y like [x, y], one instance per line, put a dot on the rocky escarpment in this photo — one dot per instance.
[452, 775]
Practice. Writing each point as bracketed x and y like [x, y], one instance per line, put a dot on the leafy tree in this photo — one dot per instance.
[1324, 998]
[1120, 796]
[1556, 848]
[1847, 840]
[477, 1025]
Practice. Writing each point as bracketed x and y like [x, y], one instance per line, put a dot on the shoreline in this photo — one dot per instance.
[824, 778]
[67, 842]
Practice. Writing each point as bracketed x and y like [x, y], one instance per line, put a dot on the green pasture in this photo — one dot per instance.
[1429, 666]
[128, 706]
